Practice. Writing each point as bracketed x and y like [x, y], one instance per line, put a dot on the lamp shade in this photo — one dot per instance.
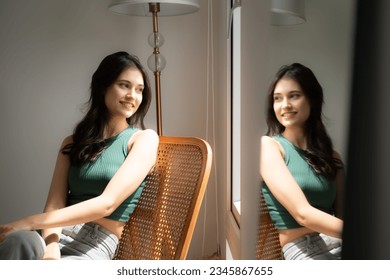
[287, 12]
[167, 7]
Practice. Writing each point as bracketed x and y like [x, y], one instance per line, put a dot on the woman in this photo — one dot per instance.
[99, 173]
[302, 174]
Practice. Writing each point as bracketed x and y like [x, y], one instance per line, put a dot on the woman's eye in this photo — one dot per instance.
[295, 95]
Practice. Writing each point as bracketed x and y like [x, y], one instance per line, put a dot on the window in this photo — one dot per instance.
[236, 110]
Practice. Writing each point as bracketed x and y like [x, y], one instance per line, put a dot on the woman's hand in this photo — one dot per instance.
[4, 231]
[12, 227]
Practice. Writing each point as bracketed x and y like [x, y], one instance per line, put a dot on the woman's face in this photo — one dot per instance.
[291, 106]
[124, 96]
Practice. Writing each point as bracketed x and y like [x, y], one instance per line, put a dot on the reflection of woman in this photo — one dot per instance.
[99, 172]
[302, 173]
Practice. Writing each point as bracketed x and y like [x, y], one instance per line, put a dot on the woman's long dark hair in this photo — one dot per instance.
[88, 141]
[319, 153]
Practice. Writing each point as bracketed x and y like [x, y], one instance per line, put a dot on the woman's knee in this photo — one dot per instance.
[22, 245]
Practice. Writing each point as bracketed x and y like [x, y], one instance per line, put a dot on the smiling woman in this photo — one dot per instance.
[302, 174]
[124, 96]
[99, 174]
[290, 104]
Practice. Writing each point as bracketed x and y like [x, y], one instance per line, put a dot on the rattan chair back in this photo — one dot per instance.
[268, 245]
[162, 225]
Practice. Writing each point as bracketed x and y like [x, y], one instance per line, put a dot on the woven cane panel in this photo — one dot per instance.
[155, 229]
[268, 245]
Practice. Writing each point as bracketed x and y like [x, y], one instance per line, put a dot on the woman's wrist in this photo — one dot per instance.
[52, 251]
[52, 238]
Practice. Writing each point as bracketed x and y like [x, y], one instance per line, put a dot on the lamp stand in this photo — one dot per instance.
[154, 8]
[156, 61]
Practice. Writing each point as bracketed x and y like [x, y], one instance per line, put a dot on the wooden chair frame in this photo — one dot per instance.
[158, 227]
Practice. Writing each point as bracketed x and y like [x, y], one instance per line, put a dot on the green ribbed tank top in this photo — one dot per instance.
[319, 191]
[90, 180]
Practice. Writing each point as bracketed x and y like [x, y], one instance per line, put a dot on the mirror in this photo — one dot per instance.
[323, 43]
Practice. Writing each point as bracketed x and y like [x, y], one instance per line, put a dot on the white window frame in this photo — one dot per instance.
[233, 217]
[236, 114]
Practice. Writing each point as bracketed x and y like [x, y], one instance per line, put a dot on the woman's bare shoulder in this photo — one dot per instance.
[268, 142]
[147, 134]
[147, 137]
[67, 140]
[267, 139]
[336, 155]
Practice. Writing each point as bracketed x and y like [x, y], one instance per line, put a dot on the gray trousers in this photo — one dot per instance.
[22, 245]
[80, 242]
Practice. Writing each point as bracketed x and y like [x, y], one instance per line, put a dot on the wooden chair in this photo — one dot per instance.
[162, 225]
[268, 245]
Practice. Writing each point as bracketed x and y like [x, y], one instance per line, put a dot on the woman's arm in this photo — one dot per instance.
[126, 180]
[285, 189]
[56, 199]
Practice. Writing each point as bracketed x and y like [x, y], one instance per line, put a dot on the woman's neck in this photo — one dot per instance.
[114, 127]
[296, 137]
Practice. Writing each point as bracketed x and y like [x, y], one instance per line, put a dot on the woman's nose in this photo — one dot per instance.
[286, 103]
[130, 94]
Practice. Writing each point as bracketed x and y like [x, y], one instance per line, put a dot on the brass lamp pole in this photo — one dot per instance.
[156, 61]
[154, 8]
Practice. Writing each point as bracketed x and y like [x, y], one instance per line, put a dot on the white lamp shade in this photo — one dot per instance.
[287, 12]
[167, 7]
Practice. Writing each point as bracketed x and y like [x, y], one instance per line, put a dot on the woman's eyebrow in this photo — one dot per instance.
[129, 82]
